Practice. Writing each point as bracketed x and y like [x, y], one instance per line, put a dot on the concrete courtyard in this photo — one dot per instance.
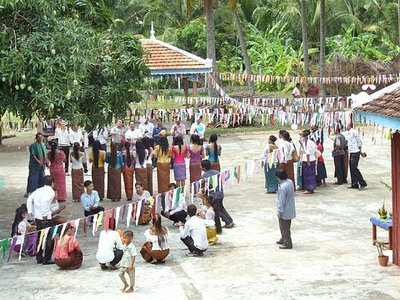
[332, 258]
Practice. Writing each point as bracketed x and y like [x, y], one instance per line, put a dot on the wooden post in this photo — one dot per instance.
[186, 90]
[395, 145]
[195, 88]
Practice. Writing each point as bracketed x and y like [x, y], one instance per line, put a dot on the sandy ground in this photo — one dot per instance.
[332, 258]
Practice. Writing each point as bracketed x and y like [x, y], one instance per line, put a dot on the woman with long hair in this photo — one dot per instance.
[156, 248]
[163, 154]
[195, 154]
[77, 176]
[22, 229]
[149, 163]
[97, 158]
[269, 161]
[179, 152]
[57, 171]
[211, 218]
[114, 160]
[287, 148]
[128, 170]
[67, 252]
[141, 164]
[213, 150]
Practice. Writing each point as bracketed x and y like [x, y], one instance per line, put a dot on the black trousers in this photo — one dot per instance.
[284, 226]
[188, 241]
[49, 243]
[223, 214]
[179, 216]
[339, 168]
[357, 179]
[93, 212]
[65, 149]
[117, 258]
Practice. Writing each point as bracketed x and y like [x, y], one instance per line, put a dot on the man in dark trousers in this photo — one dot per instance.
[218, 194]
[286, 209]
[355, 144]
[338, 153]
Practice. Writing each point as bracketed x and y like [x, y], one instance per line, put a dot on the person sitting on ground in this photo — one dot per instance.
[68, 254]
[20, 228]
[193, 233]
[210, 216]
[156, 248]
[109, 252]
[175, 209]
[143, 195]
[128, 262]
[90, 200]
[56, 208]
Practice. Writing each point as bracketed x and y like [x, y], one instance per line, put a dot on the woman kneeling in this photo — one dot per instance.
[155, 249]
[68, 255]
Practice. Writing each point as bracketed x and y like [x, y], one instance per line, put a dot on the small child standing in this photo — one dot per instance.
[321, 170]
[128, 262]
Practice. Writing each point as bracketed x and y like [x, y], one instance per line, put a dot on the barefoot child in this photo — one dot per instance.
[128, 262]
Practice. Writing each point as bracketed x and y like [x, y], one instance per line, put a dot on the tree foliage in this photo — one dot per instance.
[63, 58]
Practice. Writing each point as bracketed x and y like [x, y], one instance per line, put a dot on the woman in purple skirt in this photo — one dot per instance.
[179, 152]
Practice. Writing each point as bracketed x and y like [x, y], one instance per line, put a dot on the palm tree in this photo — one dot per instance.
[233, 5]
[305, 37]
[322, 48]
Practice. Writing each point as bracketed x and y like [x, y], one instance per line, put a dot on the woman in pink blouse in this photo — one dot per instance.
[68, 254]
[179, 152]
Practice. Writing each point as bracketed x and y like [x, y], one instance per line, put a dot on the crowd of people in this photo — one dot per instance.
[132, 156]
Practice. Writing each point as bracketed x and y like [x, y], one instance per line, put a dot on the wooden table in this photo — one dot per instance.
[384, 224]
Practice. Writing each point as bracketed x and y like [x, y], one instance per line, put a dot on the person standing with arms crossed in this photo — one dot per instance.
[286, 209]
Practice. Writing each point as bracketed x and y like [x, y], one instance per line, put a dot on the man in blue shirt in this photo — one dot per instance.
[90, 200]
[157, 130]
[286, 209]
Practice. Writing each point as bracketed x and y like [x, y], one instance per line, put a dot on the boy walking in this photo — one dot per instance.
[128, 262]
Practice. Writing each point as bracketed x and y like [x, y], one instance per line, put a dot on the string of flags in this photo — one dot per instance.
[129, 213]
[365, 79]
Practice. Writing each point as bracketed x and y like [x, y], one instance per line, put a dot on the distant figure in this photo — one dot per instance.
[312, 91]
[37, 164]
[286, 210]
[179, 129]
[198, 128]
[354, 145]
[296, 91]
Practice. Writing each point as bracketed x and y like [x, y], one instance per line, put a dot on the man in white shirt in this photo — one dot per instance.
[133, 134]
[193, 233]
[118, 132]
[174, 211]
[178, 129]
[110, 249]
[198, 127]
[62, 135]
[76, 136]
[39, 202]
[101, 134]
[146, 129]
[354, 147]
[296, 91]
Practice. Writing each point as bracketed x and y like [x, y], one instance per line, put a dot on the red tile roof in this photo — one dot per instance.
[160, 56]
[387, 105]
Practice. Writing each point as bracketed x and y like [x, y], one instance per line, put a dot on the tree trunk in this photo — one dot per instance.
[322, 50]
[211, 53]
[1, 131]
[305, 38]
[243, 48]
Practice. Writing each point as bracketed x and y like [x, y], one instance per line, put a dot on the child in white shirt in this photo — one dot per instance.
[128, 262]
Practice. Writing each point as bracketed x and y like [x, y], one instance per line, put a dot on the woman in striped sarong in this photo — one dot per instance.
[141, 164]
[77, 173]
[97, 158]
[114, 160]
[163, 154]
[128, 170]
[149, 163]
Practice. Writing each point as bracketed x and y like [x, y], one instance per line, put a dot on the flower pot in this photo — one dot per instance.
[383, 260]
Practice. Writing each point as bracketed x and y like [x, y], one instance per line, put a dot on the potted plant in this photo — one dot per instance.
[383, 259]
[382, 212]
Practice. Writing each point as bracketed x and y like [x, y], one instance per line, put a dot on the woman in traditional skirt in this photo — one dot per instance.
[128, 169]
[299, 168]
[321, 169]
[149, 163]
[213, 150]
[68, 254]
[97, 158]
[57, 171]
[77, 173]
[163, 154]
[141, 164]
[286, 149]
[269, 161]
[196, 154]
[179, 152]
[308, 163]
[114, 160]
[156, 248]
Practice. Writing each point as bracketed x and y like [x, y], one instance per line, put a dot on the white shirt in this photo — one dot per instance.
[296, 92]
[308, 148]
[39, 202]
[147, 127]
[199, 129]
[171, 206]
[62, 136]
[134, 135]
[286, 148]
[107, 240]
[154, 240]
[196, 228]
[22, 227]
[354, 142]
[76, 136]
[101, 135]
